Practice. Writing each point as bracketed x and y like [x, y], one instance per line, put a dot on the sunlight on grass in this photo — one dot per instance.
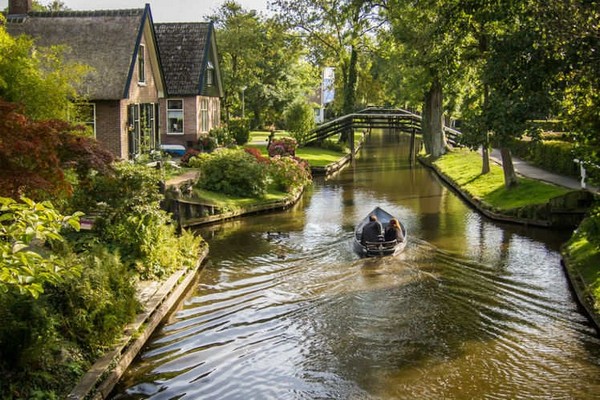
[464, 168]
[234, 203]
[316, 157]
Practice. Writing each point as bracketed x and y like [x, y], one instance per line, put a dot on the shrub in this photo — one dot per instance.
[95, 307]
[231, 171]
[130, 219]
[284, 146]
[256, 153]
[239, 130]
[207, 143]
[28, 233]
[552, 155]
[289, 173]
[188, 154]
[299, 119]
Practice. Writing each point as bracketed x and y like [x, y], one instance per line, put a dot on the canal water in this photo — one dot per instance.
[283, 309]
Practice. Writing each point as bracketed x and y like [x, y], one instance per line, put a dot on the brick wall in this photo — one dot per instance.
[108, 127]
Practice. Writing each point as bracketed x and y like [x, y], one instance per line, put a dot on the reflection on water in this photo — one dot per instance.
[284, 309]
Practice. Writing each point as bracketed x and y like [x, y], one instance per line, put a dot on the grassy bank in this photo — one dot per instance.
[234, 203]
[464, 168]
[582, 260]
[581, 254]
[315, 156]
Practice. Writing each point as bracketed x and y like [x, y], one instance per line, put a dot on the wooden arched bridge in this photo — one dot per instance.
[373, 118]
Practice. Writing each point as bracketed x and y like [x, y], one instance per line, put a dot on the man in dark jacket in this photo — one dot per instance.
[372, 231]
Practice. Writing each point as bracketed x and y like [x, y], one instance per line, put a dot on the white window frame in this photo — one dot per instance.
[174, 111]
[204, 116]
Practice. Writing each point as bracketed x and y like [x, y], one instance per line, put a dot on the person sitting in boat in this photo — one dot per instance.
[372, 231]
[393, 231]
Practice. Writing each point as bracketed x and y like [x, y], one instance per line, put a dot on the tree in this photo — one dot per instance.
[428, 48]
[299, 119]
[572, 27]
[39, 78]
[517, 74]
[34, 155]
[336, 31]
[261, 62]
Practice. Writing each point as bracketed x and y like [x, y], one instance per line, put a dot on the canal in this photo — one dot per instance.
[284, 309]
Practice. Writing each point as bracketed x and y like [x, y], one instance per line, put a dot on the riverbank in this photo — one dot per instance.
[157, 298]
[581, 258]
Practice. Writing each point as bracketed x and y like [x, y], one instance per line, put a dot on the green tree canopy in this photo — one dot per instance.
[39, 78]
[262, 64]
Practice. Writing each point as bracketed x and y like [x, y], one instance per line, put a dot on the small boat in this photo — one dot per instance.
[379, 248]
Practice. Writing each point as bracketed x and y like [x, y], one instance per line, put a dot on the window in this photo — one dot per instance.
[210, 74]
[204, 115]
[141, 65]
[85, 113]
[175, 117]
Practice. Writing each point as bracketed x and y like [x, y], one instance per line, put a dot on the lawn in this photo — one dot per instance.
[233, 203]
[315, 156]
[464, 168]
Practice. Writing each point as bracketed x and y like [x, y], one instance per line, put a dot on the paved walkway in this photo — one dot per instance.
[528, 170]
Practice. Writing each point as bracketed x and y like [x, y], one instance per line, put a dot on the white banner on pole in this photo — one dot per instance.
[328, 89]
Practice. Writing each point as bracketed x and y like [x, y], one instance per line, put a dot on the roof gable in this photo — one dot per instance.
[185, 51]
[105, 40]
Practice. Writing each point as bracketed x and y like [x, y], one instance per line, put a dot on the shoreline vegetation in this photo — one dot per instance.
[458, 168]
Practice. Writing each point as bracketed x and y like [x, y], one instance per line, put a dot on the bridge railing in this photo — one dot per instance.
[375, 117]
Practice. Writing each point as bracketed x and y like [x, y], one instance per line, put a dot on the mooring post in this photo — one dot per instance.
[412, 152]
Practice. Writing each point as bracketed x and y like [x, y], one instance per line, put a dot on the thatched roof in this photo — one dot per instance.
[104, 40]
[183, 51]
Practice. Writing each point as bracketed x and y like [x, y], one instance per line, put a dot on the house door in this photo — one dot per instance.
[144, 135]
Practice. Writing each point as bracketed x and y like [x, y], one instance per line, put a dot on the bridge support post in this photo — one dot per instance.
[351, 139]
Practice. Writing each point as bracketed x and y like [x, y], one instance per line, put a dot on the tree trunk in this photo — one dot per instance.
[485, 160]
[485, 154]
[433, 121]
[426, 124]
[510, 177]
[350, 89]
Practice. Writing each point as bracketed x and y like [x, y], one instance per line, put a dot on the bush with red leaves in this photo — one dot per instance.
[34, 155]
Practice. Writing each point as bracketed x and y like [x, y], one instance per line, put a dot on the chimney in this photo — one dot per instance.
[19, 7]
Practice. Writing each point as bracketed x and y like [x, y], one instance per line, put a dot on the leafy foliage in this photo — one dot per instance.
[239, 130]
[231, 171]
[289, 173]
[130, 219]
[285, 146]
[262, 63]
[299, 119]
[28, 232]
[35, 155]
[38, 78]
[48, 342]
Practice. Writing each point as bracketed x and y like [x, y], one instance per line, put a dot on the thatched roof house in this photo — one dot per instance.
[138, 101]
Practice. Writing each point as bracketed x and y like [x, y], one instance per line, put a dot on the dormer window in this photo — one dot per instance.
[210, 74]
[141, 65]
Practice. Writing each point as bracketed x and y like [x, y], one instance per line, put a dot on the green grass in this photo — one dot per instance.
[234, 203]
[464, 168]
[583, 259]
[315, 156]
